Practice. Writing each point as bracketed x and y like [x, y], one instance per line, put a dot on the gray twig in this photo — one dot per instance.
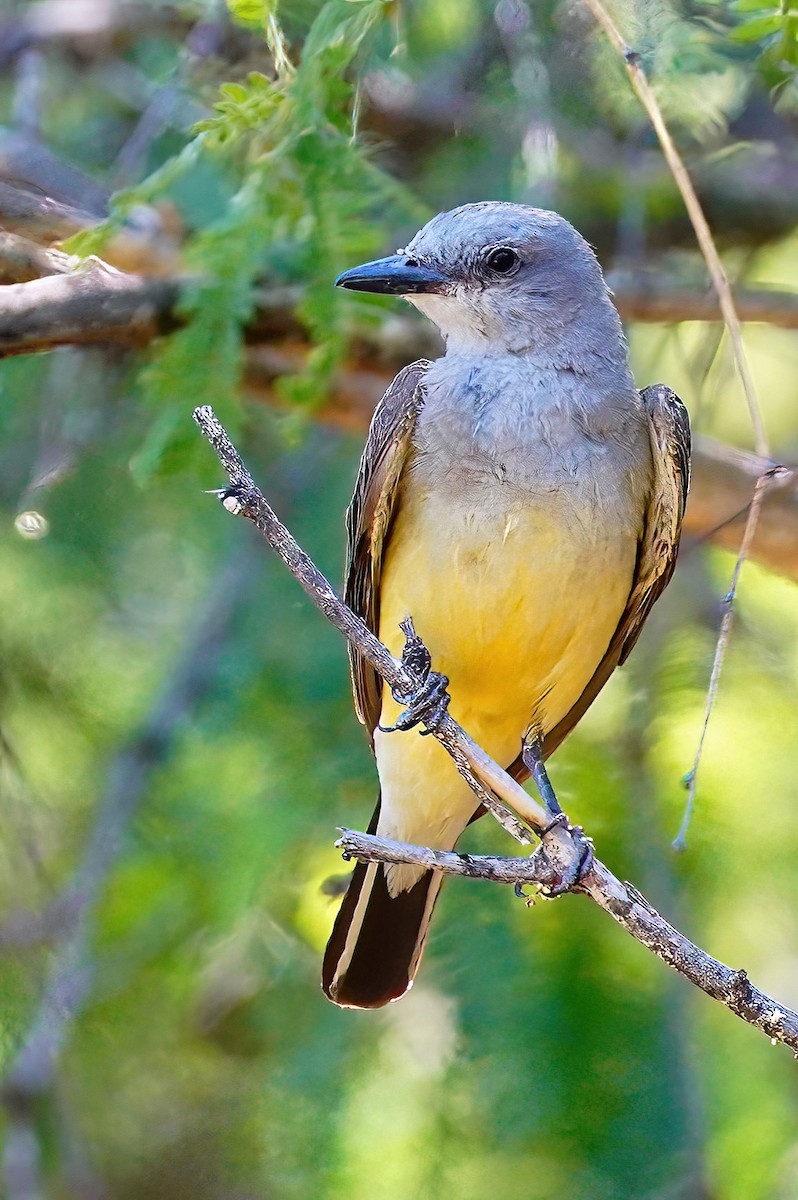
[536, 869]
[722, 645]
[622, 901]
[133, 309]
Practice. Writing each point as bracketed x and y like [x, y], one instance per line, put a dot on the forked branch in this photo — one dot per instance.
[559, 847]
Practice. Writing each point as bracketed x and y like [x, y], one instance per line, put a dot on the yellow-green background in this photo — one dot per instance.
[542, 1053]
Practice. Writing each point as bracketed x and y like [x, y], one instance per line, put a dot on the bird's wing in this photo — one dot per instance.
[368, 521]
[669, 429]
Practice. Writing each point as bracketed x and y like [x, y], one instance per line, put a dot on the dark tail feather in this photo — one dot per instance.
[376, 943]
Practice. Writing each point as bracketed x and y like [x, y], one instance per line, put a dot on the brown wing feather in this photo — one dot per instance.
[669, 427]
[368, 520]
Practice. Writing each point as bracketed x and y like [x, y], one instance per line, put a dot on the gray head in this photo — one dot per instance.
[505, 278]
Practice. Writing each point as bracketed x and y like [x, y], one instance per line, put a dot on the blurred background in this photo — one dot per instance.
[177, 743]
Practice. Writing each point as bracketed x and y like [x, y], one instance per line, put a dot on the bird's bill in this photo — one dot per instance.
[393, 276]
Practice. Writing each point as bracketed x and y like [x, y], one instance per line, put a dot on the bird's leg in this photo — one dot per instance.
[532, 756]
[429, 699]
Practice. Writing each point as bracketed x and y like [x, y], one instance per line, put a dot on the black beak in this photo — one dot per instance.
[394, 276]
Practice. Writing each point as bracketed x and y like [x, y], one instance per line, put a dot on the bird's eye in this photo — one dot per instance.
[503, 260]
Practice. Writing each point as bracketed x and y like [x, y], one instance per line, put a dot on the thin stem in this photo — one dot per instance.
[559, 850]
[495, 868]
[721, 646]
[722, 287]
[622, 902]
[699, 222]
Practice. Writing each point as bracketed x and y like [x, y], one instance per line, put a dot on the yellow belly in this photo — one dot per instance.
[518, 609]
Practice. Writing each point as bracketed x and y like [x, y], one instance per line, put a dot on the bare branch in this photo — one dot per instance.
[368, 847]
[655, 298]
[22, 260]
[722, 644]
[39, 217]
[720, 497]
[700, 224]
[623, 903]
[559, 848]
[137, 308]
[93, 304]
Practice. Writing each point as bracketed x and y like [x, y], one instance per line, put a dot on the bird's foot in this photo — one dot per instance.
[428, 701]
[559, 881]
[427, 704]
[574, 873]
[570, 877]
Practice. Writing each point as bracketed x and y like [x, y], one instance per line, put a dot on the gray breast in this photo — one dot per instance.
[500, 432]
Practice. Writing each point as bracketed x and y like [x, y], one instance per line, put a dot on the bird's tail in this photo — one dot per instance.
[377, 940]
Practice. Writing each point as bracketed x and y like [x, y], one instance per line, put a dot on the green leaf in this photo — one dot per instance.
[758, 28]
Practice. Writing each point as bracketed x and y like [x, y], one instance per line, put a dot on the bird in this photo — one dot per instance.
[522, 502]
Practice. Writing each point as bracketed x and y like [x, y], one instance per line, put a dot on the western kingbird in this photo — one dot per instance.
[522, 501]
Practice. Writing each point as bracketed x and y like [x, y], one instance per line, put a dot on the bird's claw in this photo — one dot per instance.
[427, 704]
[572, 876]
[575, 873]
[428, 701]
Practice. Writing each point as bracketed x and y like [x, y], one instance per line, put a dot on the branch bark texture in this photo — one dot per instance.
[131, 309]
[559, 848]
[97, 304]
[624, 904]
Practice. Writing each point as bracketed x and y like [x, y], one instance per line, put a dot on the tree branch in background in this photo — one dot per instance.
[96, 304]
[38, 217]
[650, 298]
[22, 260]
[32, 1071]
[91, 305]
[559, 848]
[706, 242]
[723, 483]
[731, 319]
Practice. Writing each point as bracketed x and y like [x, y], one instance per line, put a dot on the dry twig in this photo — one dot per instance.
[722, 287]
[706, 242]
[559, 849]
[722, 645]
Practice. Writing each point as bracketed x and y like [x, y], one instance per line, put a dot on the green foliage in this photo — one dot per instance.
[306, 198]
[774, 26]
[772, 30]
[541, 1053]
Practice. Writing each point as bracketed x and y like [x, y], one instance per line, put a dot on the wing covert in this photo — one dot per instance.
[368, 520]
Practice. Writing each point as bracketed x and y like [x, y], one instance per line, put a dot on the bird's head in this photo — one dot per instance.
[499, 278]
